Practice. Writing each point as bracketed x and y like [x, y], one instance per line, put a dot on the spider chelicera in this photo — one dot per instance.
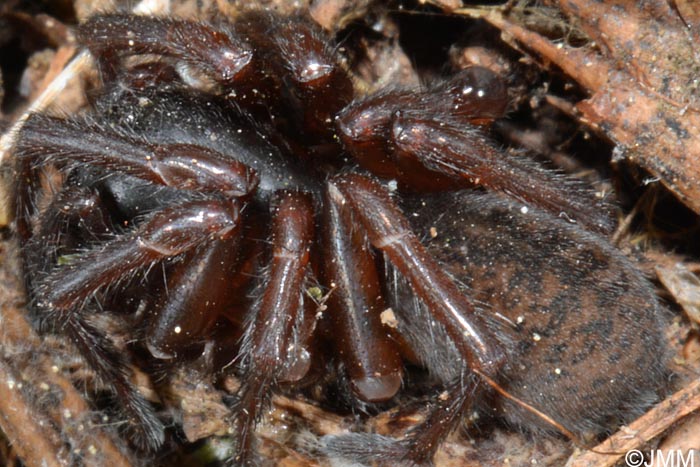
[213, 207]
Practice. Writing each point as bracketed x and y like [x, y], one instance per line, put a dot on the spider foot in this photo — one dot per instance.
[145, 429]
[246, 407]
[373, 449]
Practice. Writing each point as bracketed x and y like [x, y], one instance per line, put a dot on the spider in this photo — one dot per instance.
[226, 165]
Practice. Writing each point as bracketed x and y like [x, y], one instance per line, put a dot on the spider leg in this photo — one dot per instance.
[112, 367]
[60, 296]
[355, 304]
[427, 141]
[218, 51]
[418, 447]
[185, 166]
[444, 146]
[316, 87]
[391, 233]
[168, 233]
[76, 214]
[25, 207]
[272, 340]
[197, 292]
[473, 96]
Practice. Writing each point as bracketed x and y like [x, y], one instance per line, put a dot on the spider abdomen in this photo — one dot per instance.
[583, 346]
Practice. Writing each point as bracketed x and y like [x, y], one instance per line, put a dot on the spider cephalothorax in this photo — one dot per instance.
[269, 176]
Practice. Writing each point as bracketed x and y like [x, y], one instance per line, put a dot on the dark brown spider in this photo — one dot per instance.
[213, 207]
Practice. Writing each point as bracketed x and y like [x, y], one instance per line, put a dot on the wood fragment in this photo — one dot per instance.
[41, 432]
[641, 431]
[684, 286]
[35, 439]
[644, 90]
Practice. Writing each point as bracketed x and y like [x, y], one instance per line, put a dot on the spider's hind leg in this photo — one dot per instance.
[418, 447]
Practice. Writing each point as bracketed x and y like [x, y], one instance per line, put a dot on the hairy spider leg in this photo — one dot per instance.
[445, 146]
[428, 141]
[197, 291]
[47, 140]
[391, 233]
[274, 347]
[418, 447]
[217, 50]
[64, 291]
[61, 296]
[355, 303]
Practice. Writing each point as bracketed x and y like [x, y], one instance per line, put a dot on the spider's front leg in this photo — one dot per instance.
[482, 353]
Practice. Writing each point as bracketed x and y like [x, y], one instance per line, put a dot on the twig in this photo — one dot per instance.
[642, 430]
[34, 438]
[42, 432]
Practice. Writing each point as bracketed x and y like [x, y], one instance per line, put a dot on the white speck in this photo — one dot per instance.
[392, 185]
[131, 43]
[536, 337]
[178, 329]
[11, 383]
[44, 387]
[468, 90]
[67, 414]
[557, 371]
[92, 449]
[388, 318]
[520, 319]
[480, 93]
[524, 210]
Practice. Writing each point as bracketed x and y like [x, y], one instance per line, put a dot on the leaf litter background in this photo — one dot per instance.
[609, 92]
